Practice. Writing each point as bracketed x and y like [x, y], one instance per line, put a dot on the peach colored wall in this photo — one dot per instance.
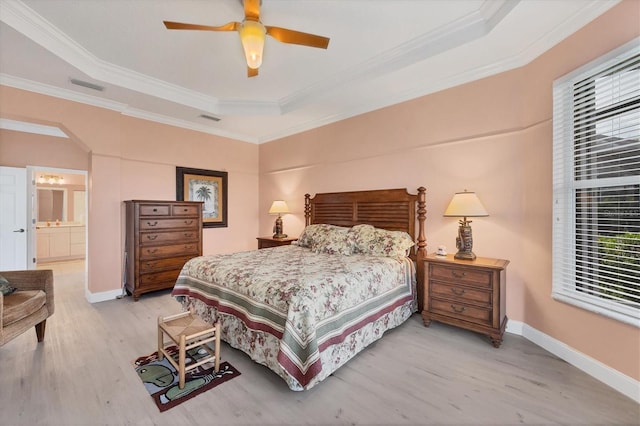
[492, 136]
[129, 158]
[19, 149]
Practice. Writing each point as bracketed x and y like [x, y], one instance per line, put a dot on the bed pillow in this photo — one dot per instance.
[335, 240]
[5, 286]
[315, 233]
[363, 237]
[380, 242]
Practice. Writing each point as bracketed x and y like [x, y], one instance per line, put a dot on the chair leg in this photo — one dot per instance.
[40, 330]
[181, 361]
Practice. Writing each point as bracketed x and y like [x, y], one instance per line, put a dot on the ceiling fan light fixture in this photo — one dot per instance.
[252, 35]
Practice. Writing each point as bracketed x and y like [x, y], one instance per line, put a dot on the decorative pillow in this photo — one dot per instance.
[336, 240]
[363, 236]
[314, 233]
[380, 242]
[5, 287]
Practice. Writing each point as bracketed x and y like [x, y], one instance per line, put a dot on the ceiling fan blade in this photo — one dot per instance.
[296, 37]
[231, 26]
[252, 9]
[252, 72]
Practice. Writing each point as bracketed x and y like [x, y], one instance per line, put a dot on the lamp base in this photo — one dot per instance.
[465, 255]
[464, 242]
[279, 236]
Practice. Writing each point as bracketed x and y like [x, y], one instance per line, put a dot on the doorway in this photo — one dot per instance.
[58, 206]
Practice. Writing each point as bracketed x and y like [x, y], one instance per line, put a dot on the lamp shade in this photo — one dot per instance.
[465, 204]
[278, 207]
[252, 35]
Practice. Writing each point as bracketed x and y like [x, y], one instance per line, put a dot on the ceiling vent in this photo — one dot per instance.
[210, 117]
[86, 84]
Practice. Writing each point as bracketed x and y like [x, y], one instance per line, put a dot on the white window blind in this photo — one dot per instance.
[596, 185]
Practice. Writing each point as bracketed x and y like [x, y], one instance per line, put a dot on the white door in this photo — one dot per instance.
[13, 218]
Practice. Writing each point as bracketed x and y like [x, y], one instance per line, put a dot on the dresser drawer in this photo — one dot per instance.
[184, 210]
[462, 311]
[159, 277]
[162, 264]
[475, 277]
[460, 293]
[154, 252]
[150, 224]
[155, 238]
[154, 210]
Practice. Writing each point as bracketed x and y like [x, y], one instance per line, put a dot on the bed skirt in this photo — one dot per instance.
[263, 347]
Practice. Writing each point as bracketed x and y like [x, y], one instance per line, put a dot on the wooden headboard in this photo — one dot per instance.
[391, 209]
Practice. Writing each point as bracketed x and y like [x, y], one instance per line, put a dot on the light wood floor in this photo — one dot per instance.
[82, 374]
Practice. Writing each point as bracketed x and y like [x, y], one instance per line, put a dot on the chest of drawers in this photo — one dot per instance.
[467, 294]
[160, 237]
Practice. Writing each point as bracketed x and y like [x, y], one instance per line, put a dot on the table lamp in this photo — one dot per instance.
[465, 204]
[278, 207]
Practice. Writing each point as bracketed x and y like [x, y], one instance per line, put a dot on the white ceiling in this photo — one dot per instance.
[380, 53]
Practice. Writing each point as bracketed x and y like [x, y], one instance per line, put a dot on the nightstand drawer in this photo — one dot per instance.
[461, 311]
[461, 293]
[475, 277]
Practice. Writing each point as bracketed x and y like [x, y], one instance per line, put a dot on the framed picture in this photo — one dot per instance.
[208, 186]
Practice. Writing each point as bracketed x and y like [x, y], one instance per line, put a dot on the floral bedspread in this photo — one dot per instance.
[307, 301]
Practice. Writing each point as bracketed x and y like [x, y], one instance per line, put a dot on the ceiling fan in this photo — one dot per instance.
[253, 32]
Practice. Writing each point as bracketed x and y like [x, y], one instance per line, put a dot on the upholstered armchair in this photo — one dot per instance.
[29, 306]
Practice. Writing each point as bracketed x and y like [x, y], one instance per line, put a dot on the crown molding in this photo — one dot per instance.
[163, 119]
[425, 46]
[26, 127]
[26, 21]
[570, 26]
[57, 92]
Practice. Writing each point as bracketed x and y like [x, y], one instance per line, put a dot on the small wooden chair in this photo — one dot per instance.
[188, 331]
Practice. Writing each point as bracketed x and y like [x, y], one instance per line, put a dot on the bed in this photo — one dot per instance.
[305, 309]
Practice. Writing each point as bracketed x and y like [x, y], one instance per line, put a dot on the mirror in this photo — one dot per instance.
[52, 205]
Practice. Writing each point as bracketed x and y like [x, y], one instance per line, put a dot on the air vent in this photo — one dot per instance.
[209, 117]
[86, 84]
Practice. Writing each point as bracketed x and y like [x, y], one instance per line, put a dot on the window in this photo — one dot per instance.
[596, 186]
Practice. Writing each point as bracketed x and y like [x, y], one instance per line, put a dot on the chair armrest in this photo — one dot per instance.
[35, 279]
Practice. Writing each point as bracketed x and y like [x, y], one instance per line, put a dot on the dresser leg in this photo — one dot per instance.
[496, 341]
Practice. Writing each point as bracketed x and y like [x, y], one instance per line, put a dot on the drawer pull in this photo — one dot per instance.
[152, 251]
[152, 224]
[458, 275]
[152, 237]
[185, 210]
[155, 210]
[188, 247]
[459, 310]
[457, 292]
[188, 234]
[188, 222]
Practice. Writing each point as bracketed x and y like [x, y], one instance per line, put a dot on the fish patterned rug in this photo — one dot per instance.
[161, 378]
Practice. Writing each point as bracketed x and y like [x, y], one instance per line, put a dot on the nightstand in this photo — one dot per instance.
[466, 293]
[266, 242]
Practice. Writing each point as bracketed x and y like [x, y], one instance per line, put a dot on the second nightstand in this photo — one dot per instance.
[266, 242]
[466, 293]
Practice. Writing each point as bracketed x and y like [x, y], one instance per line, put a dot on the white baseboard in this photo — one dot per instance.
[102, 296]
[607, 375]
